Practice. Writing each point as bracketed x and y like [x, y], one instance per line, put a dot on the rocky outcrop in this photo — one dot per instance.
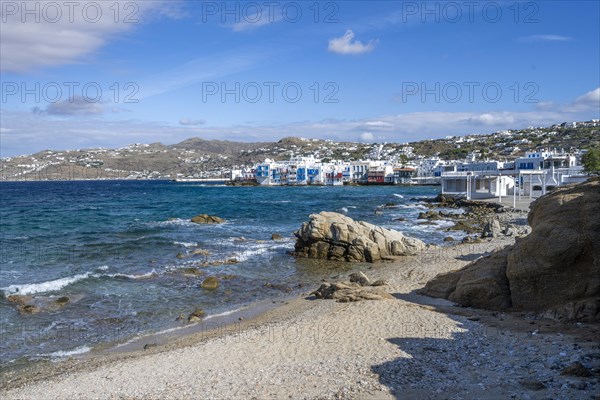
[358, 288]
[555, 270]
[329, 235]
[207, 219]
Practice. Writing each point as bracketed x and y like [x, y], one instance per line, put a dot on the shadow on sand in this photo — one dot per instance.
[435, 361]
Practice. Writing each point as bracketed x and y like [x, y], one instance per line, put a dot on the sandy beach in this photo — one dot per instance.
[407, 347]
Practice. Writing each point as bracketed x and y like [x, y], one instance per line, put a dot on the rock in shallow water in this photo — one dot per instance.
[210, 283]
[207, 219]
[333, 236]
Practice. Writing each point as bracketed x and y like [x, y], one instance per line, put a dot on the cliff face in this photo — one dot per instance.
[555, 269]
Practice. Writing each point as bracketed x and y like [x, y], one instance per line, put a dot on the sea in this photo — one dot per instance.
[119, 254]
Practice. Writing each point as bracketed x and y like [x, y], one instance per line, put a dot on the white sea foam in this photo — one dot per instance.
[186, 244]
[224, 314]
[344, 209]
[267, 249]
[67, 353]
[419, 206]
[444, 223]
[48, 286]
[58, 284]
[398, 195]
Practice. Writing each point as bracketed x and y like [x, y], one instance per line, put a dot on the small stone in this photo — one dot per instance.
[532, 384]
[449, 239]
[62, 300]
[29, 309]
[379, 282]
[360, 278]
[576, 369]
[149, 346]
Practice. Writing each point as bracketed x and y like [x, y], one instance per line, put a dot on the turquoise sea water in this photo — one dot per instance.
[112, 246]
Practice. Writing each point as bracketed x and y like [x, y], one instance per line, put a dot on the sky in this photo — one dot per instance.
[110, 73]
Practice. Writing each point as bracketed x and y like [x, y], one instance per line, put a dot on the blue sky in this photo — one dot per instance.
[259, 71]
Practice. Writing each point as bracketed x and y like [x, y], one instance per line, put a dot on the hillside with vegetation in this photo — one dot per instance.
[196, 157]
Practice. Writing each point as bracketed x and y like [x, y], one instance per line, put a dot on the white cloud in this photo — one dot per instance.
[367, 137]
[345, 44]
[191, 122]
[546, 38]
[587, 102]
[378, 125]
[28, 133]
[68, 32]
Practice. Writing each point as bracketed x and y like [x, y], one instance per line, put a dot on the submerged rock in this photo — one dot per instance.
[555, 270]
[334, 236]
[276, 236]
[210, 283]
[28, 309]
[63, 300]
[207, 219]
[196, 315]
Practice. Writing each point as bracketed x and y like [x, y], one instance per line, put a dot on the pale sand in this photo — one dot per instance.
[410, 347]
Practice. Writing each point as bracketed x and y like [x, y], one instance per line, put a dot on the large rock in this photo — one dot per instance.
[554, 270]
[334, 236]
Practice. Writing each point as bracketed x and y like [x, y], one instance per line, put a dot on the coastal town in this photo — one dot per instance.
[519, 162]
[477, 176]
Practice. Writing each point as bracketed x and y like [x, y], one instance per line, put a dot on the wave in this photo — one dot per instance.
[344, 209]
[58, 284]
[67, 353]
[398, 195]
[48, 286]
[419, 206]
[224, 314]
[267, 248]
[186, 244]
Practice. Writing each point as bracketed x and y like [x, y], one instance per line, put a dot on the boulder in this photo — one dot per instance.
[207, 219]
[330, 235]
[555, 270]
[276, 236]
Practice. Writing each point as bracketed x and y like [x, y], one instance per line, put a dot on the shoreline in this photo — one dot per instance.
[386, 349]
